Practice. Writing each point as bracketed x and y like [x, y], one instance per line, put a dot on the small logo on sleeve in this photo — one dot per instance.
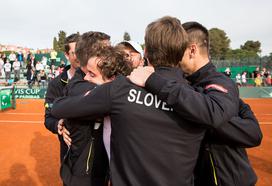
[216, 87]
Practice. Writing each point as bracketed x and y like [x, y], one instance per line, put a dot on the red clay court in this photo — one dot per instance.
[30, 153]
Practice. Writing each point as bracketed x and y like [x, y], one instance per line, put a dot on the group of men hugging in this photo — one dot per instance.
[159, 117]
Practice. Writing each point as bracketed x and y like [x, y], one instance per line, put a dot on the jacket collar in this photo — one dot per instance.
[64, 75]
[201, 73]
[79, 73]
[170, 73]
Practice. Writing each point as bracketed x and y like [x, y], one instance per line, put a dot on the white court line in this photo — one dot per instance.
[256, 98]
[9, 121]
[265, 123]
[263, 114]
[22, 113]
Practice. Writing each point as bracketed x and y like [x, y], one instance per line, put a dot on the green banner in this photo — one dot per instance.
[5, 99]
[22, 93]
[255, 92]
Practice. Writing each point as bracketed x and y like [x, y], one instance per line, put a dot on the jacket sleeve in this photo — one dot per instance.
[243, 131]
[96, 104]
[50, 121]
[211, 108]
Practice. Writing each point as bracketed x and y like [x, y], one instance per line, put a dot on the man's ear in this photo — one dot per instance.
[142, 62]
[193, 50]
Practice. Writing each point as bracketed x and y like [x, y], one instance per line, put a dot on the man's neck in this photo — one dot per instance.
[71, 71]
[201, 62]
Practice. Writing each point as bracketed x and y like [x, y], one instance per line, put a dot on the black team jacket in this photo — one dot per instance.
[55, 90]
[81, 131]
[223, 159]
[150, 144]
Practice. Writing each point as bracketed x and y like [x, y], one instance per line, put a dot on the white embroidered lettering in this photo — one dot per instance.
[157, 102]
[138, 98]
[164, 106]
[151, 99]
[132, 97]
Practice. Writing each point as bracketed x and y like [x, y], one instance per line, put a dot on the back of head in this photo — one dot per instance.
[112, 62]
[199, 35]
[70, 39]
[88, 44]
[165, 42]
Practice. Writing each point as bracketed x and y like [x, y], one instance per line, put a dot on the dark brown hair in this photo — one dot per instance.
[198, 34]
[70, 39]
[165, 42]
[87, 45]
[112, 63]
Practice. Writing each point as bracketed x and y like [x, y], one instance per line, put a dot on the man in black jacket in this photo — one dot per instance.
[223, 160]
[86, 135]
[55, 90]
[150, 144]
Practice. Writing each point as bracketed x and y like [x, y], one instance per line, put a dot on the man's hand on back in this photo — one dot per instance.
[139, 75]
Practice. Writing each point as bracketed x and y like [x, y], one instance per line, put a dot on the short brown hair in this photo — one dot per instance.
[88, 44]
[112, 62]
[70, 39]
[165, 42]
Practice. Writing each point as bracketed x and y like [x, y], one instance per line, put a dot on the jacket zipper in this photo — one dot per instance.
[89, 156]
[214, 172]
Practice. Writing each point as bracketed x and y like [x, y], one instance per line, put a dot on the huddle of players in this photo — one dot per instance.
[185, 127]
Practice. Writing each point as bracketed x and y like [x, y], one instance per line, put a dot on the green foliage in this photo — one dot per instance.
[126, 36]
[220, 48]
[249, 50]
[62, 37]
[240, 54]
[269, 58]
[252, 46]
[219, 43]
[55, 44]
[58, 44]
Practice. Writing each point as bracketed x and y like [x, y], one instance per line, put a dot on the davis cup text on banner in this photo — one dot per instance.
[30, 93]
